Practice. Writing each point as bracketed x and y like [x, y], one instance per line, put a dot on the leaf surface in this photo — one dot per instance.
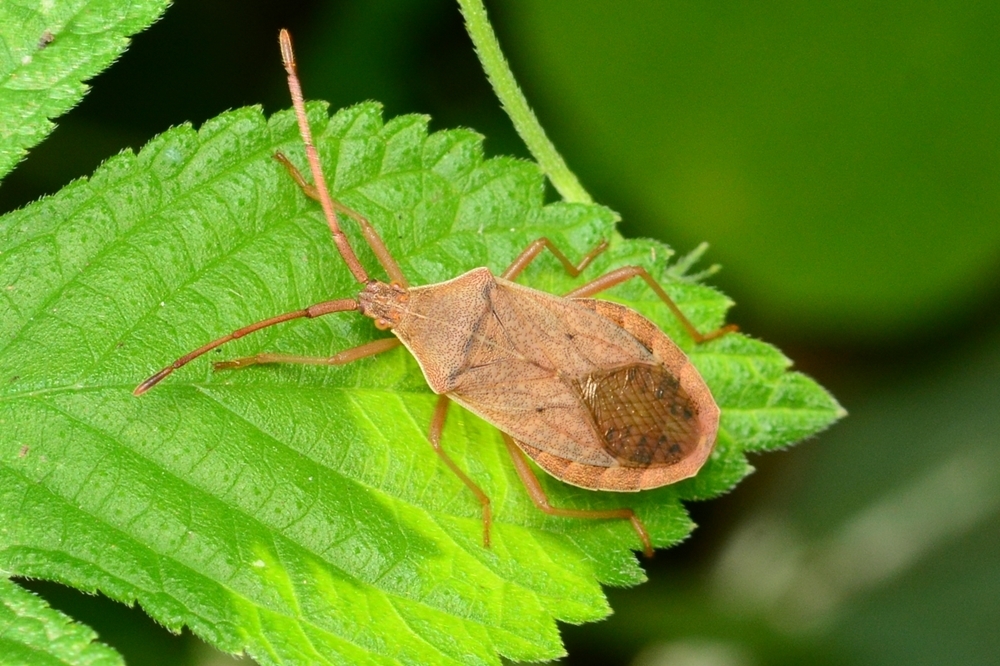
[47, 50]
[33, 633]
[298, 512]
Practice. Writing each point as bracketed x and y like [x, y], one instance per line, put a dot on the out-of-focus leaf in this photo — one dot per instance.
[842, 159]
[33, 633]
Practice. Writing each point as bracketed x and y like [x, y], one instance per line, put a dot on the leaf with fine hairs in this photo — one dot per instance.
[298, 513]
[48, 49]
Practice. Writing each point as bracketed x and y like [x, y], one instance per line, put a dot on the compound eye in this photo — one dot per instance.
[382, 324]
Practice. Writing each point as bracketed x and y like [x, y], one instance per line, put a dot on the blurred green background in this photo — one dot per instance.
[843, 162]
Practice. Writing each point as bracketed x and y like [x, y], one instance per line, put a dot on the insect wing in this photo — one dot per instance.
[643, 414]
[583, 383]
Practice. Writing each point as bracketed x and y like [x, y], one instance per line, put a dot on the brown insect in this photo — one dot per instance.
[590, 390]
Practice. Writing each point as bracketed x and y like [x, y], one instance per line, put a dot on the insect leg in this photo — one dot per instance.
[541, 501]
[317, 310]
[371, 236]
[625, 273]
[307, 188]
[340, 358]
[536, 248]
[434, 435]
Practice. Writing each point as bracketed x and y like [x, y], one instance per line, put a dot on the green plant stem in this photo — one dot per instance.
[516, 106]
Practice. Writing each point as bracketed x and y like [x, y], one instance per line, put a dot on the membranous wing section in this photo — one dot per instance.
[644, 417]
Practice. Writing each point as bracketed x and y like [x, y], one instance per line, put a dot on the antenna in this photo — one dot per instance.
[295, 88]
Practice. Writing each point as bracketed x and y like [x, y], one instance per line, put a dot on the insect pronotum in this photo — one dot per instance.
[590, 390]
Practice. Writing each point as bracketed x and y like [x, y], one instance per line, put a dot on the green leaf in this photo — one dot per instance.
[47, 50]
[33, 633]
[298, 513]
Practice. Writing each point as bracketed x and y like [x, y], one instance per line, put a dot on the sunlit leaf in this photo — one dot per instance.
[298, 512]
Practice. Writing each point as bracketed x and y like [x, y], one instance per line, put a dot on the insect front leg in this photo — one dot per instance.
[625, 273]
[317, 310]
[434, 435]
[341, 358]
[371, 236]
[541, 500]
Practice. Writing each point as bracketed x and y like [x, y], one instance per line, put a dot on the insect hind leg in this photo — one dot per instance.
[626, 273]
[541, 500]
